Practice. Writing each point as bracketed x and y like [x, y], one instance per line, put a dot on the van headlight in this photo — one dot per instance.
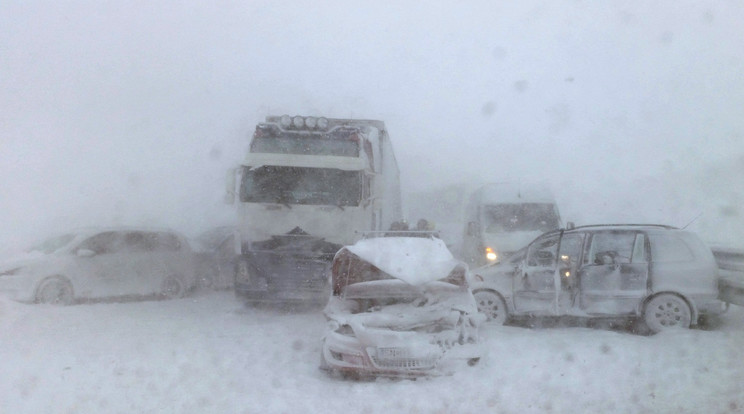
[491, 254]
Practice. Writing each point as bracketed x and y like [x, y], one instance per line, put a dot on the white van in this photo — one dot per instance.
[502, 218]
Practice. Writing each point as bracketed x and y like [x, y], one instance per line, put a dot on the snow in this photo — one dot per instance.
[116, 113]
[414, 260]
[209, 353]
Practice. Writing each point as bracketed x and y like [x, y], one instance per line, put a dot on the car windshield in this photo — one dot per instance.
[53, 244]
[501, 218]
[299, 185]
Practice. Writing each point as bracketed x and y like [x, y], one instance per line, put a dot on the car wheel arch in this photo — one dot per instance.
[44, 281]
[509, 308]
[694, 314]
[167, 286]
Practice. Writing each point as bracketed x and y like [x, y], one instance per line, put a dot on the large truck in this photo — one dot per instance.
[501, 218]
[307, 187]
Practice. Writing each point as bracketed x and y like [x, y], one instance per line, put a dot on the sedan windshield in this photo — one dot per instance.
[54, 244]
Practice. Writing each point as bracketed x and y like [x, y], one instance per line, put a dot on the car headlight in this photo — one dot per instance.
[345, 330]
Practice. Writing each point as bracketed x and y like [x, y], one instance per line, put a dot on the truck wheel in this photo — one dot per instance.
[492, 305]
[666, 311]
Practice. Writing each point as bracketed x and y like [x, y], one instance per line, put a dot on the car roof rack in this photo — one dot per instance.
[664, 226]
[369, 234]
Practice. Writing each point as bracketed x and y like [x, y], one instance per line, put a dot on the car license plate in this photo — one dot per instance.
[392, 353]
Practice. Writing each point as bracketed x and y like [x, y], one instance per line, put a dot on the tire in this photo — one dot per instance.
[172, 287]
[492, 305]
[55, 291]
[665, 312]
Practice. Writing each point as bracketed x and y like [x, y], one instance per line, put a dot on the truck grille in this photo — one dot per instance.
[296, 272]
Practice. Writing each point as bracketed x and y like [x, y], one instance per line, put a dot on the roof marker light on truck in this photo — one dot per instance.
[286, 121]
[298, 121]
[311, 122]
[322, 123]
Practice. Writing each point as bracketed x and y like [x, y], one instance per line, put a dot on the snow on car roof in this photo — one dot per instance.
[414, 260]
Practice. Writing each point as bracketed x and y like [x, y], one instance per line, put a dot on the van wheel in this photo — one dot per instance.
[55, 291]
[492, 305]
[665, 312]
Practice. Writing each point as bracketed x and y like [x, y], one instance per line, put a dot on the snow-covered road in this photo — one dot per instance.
[210, 354]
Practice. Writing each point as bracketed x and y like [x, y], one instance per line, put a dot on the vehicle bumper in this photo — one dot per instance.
[17, 287]
[346, 354]
[709, 306]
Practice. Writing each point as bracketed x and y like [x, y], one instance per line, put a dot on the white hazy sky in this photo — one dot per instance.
[130, 112]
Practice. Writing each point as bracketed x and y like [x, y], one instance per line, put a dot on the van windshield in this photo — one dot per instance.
[500, 218]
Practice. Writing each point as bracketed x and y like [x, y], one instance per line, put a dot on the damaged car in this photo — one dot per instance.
[400, 307]
[659, 275]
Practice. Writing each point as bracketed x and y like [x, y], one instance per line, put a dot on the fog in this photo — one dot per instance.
[130, 113]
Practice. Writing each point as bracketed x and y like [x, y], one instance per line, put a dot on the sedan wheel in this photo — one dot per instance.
[492, 305]
[172, 287]
[666, 312]
[55, 292]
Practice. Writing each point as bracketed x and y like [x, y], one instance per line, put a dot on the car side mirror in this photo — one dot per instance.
[86, 253]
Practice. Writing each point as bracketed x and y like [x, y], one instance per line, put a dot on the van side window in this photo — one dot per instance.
[640, 255]
[669, 248]
[611, 247]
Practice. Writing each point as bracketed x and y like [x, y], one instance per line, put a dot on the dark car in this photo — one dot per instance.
[663, 275]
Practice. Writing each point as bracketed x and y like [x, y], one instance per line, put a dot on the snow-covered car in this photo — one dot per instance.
[215, 252]
[400, 307]
[663, 276]
[101, 263]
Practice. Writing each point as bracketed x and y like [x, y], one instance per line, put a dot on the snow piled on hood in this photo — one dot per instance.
[414, 260]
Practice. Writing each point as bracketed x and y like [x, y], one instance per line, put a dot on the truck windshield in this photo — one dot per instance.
[501, 218]
[335, 144]
[299, 185]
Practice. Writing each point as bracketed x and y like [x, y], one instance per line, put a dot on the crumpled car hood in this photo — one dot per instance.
[442, 324]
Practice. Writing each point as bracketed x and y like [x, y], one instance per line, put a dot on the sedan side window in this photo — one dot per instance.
[168, 242]
[138, 242]
[103, 243]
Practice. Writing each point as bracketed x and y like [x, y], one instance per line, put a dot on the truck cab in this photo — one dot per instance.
[307, 187]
